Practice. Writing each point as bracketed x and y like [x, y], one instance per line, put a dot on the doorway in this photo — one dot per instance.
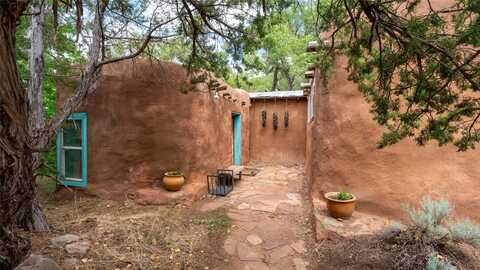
[237, 138]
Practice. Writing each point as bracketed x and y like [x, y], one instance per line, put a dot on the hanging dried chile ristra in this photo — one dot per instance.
[275, 121]
[286, 119]
[264, 118]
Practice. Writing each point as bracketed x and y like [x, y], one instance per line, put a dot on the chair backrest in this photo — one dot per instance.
[225, 179]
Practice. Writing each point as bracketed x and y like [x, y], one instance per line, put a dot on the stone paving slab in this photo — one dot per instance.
[264, 232]
[359, 224]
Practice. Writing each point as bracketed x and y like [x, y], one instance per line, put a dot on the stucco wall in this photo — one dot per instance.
[284, 145]
[145, 118]
[344, 157]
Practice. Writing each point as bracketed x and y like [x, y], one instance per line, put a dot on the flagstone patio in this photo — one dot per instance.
[270, 220]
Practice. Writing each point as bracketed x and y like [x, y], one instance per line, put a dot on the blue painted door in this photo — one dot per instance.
[237, 138]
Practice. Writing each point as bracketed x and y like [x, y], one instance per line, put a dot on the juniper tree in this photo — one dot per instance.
[417, 64]
[109, 24]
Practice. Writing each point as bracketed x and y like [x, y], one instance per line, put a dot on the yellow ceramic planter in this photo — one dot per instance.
[339, 208]
[173, 181]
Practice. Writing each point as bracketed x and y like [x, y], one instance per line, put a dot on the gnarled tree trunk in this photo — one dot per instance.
[30, 215]
[17, 185]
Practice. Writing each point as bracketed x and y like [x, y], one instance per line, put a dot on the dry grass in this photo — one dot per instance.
[394, 251]
[128, 236]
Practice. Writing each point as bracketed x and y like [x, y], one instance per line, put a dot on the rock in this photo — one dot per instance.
[80, 247]
[61, 241]
[330, 222]
[245, 253]
[38, 262]
[324, 234]
[70, 263]
[299, 264]
[265, 206]
[294, 196]
[229, 246]
[299, 246]
[271, 244]
[256, 266]
[248, 226]
[254, 239]
[279, 253]
[211, 206]
[238, 217]
[243, 206]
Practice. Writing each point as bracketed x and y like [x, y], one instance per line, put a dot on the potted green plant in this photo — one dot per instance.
[173, 180]
[340, 204]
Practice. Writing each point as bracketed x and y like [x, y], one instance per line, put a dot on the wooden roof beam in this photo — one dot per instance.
[313, 46]
[309, 74]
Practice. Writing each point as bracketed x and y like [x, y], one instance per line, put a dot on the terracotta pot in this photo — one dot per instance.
[338, 208]
[173, 182]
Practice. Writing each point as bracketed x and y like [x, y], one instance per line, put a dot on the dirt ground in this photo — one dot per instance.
[125, 235]
[373, 252]
[263, 224]
[266, 223]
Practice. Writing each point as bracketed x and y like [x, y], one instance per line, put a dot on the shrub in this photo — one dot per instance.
[435, 262]
[429, 241]
[431, 216]
[465, 231]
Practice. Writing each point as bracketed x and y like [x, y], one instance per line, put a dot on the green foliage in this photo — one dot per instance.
[418, 69]
[174, 173]
[280, 47]
[436, 263]
[344, 196]
[60, 54]
[216, 223]
[465, 231]
[430, 217]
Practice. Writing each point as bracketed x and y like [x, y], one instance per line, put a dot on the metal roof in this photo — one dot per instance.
[276, 94]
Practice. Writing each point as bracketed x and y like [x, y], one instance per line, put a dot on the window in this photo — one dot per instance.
[72, 151]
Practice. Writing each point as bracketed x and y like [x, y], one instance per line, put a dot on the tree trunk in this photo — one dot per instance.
[17, 185]
[275, 79]
[35, 64]
[30, 216]
[291, 82]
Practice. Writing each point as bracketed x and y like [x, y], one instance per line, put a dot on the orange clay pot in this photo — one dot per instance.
[338, 208]
[173, 182]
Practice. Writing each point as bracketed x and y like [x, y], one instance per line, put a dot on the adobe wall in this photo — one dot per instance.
[284, 145]
[145, 118]
[344, 157]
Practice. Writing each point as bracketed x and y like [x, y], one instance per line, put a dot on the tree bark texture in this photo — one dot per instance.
[30, 215]
[275, 79]
[17, 185]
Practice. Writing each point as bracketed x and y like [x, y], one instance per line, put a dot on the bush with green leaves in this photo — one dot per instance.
[430, 239]
[435, 262]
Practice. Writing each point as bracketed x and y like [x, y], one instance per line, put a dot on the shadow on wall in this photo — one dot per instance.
[285, 145]
[146, 118]
[346, 158]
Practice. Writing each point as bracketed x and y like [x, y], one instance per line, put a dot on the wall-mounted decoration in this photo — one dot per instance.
[286, 119]
[264, 117]
[275, 121]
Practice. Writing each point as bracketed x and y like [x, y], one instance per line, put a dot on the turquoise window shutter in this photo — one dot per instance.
[72, 151]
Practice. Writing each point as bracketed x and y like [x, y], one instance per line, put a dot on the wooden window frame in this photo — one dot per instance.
[73, 182]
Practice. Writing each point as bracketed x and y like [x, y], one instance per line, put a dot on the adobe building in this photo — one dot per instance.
[146, 118]
[342, 155]
[280, 141]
